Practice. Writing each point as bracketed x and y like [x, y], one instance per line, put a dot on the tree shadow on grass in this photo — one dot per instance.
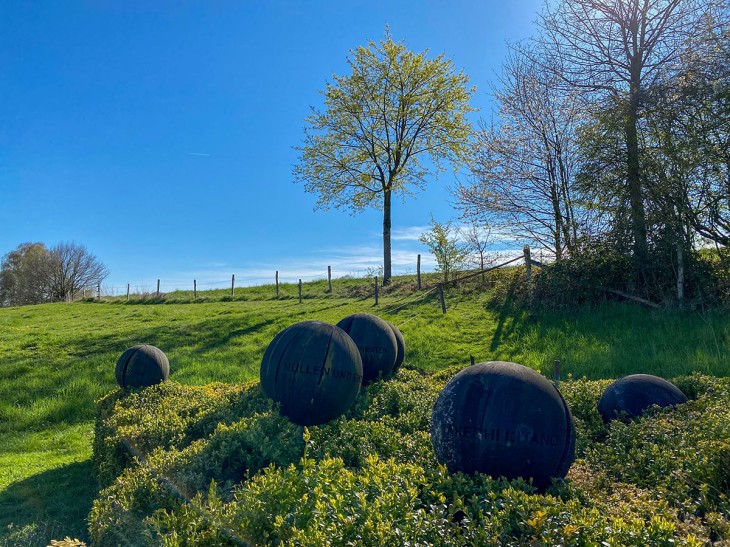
[510, 316]
[49, 505]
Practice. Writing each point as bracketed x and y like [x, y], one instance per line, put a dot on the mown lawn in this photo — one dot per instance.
[56, 360]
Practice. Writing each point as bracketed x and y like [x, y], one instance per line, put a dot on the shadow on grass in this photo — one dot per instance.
[49, 505]
[510, 316]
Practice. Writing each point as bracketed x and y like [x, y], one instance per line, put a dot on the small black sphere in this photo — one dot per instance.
[400, 347]
[503, 419]
[376, 342]
[142, 366]
[630, 396]
[314, 370]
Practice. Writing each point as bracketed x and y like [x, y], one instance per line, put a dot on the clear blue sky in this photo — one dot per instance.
[160, 134]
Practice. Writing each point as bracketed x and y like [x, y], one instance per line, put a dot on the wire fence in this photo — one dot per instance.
[167, 285]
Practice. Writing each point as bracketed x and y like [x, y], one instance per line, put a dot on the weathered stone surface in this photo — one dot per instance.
[400, 347]
[628, 397]
[503, 419]
[314, 370]
[142, 366]
[376, 342]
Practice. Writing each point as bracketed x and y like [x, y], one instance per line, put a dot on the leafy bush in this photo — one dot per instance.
[226, 469]
[167, 415]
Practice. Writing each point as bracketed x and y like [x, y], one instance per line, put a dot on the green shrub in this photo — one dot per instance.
[223, 468]
[168, 415]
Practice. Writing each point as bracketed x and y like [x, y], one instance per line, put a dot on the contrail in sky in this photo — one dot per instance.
[198, 154]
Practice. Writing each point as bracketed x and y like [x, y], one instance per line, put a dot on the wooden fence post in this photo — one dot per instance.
[300, 291]
[376, 290]
[418, 272]
[195, 289]
[528, 263]
[233, 284]
[127, 292]
[158, 288]
[556, 371]
[329, 277]
[277, 283]
[441, 296]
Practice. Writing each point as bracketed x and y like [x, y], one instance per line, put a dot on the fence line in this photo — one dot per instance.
[277, 279]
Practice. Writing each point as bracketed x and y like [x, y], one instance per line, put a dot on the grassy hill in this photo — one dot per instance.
[56, 360]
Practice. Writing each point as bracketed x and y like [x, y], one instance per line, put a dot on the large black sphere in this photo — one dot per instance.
[376, 342]
[314, 370]
[631, 395]
[503, 419]
[400, 347]
[142, 366]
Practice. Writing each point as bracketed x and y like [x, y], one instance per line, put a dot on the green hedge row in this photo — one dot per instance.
[217, 465]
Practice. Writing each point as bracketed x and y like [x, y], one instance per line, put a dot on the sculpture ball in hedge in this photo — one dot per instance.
[142, 366]
[503, 419]
[400, 347]
[314, 370]
[628, 397]
[376, 342]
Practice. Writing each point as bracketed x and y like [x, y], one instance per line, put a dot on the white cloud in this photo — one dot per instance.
[408, 233]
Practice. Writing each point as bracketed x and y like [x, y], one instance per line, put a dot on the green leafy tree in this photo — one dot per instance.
[443, 242]
[25, 275]
[614, 51]
[386, 128]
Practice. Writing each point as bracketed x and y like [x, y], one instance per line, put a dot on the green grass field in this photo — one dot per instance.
[57, 359]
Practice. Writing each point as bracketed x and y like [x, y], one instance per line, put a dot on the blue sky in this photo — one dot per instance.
[160, 134]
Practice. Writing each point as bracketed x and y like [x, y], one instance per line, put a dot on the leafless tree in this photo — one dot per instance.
[74, 268]
[477, 238]
[526, 160]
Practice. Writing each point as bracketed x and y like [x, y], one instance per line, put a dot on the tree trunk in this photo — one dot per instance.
[386, 237]
[633, 181]
[680, 274]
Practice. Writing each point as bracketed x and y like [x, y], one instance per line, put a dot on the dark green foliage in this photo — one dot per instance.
[582, 278]
[231, 471]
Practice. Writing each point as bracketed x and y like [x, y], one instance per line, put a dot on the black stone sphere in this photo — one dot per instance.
[630, 396]
[314, 370]
[376, 342]
[503, 419]
[400, 347]
[142, 366]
